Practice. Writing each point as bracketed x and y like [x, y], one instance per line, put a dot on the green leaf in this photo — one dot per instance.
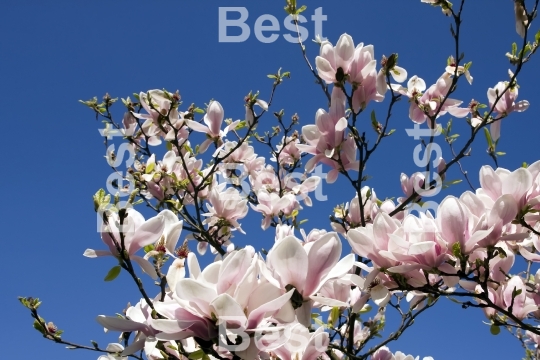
[514, 49]
[242, 124]
[500, 153]
[537, 37]
[113, 273]
[301, 9]
[196, 355]
[150, 167]
[488, 137]
[272, 76]
[100, 199]
[494, 329]
[333, 317]
[38, 327]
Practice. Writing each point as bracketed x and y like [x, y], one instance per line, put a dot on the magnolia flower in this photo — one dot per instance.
[333, 63]
[136, 232]
[305, 268]
[137, 320]
[383, 353]
[304, 345]
[250, 115]
[504, 104]
[213, 120]
[227, 205]
[270, 205]
[495, 183]
[514, 295]
[157, 103]
[451, 70]
[227, 292]
[457, 227]
[370, 240]
[427, 104]
[363, 77]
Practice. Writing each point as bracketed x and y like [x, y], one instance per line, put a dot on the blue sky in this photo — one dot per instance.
[55, 53]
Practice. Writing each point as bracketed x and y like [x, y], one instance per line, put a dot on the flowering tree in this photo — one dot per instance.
[303, 298]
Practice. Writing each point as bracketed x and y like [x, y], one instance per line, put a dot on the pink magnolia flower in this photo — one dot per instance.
[416, 245]
[227, 291]
[411, 184]
[456, 225]
[429, 103]
[243, 153]
[304, 345]
[157, 174]
[305, 268]
[226, 205]
[213, 120]
[328, 133]
[369, 241]
[333, 63]
[363, 77]
[383, 353]
[137, 234]
[137, 320]
[461, 70]
[514, 294]
[505, 105]
[287, 151]
[157, 103]
[271, 204]
[495, 183]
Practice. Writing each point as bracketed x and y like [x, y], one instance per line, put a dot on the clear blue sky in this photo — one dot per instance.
[55, 53]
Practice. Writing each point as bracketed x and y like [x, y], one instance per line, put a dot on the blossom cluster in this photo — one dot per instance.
[310, 296]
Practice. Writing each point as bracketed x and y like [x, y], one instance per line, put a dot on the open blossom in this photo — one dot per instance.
[271, 204]
[226, 205]
[158, 104]
[334, 62]
[357, 65]
[137, 320]
[227, 293]
[461, 70]
[136, 232]
[504, 103]
[327, 141]
[306, 268]
[213, 120]
[287, 151]
[304, 345]
[428, 103]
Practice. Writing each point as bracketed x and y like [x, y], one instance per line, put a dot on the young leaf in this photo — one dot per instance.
[113, 273]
